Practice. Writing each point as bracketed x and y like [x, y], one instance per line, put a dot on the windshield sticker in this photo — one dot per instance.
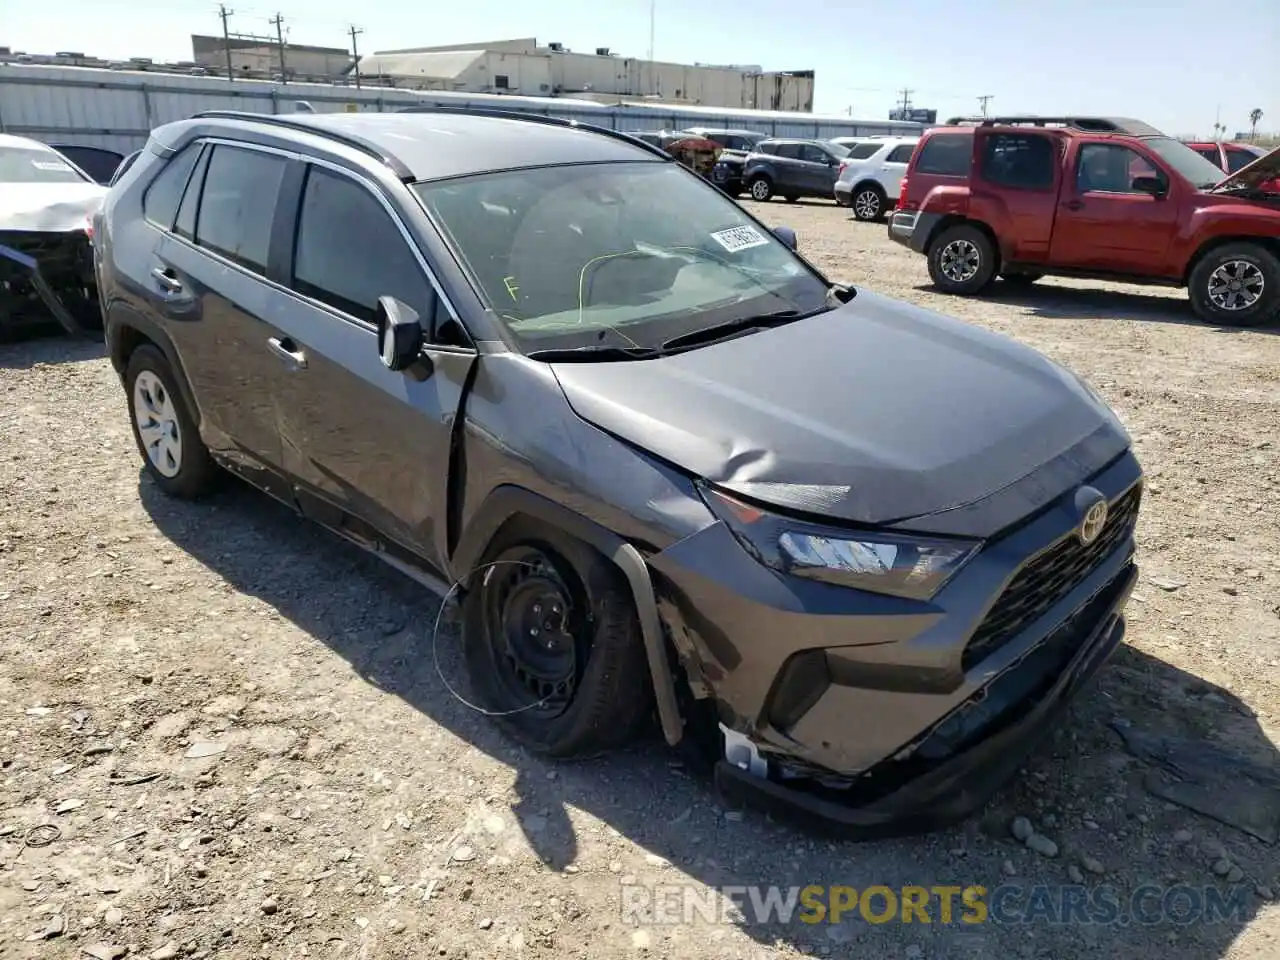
[51, 165]
[739, 238]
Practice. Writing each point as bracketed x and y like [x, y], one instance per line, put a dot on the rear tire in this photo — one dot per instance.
[1237, 285]
[962, 260]
[590, 673]
[164, 429]
[761, 189]
[869, 203]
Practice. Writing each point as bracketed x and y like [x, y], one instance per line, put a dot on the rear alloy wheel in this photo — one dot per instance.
[961, 260]
[761, 189]
[553, 646]
[868, 203]
[1237, 285]
[166, 434]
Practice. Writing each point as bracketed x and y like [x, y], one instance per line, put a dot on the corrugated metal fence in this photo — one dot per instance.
[117, 109]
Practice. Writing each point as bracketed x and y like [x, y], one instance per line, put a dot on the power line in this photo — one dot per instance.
[355, 52]
[224, 13]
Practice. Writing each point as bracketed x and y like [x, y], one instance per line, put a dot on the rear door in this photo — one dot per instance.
[359, 438]
[894, 168]
[1016, 189]
[210, 278]
[786, 161]
[1105, 222]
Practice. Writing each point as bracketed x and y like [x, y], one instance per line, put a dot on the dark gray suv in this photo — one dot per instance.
[856, 553]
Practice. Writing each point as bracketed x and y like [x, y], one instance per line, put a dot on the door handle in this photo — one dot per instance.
[1073, 205]
[286, 351]
[165, 277]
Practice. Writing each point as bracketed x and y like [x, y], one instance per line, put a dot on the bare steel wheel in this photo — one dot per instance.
[962, 260]
[168, 439]
[552, 644]
[1236, 285]
[157, 422]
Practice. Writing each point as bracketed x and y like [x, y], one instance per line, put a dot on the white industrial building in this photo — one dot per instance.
[523, 67]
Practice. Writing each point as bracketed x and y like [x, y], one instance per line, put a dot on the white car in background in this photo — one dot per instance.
[870, 175]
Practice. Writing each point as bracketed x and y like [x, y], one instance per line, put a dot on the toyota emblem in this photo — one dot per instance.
[1095, 518]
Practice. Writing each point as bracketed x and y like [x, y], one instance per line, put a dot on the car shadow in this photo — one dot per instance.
[1051, 301]
[384, 631]
[23, 349]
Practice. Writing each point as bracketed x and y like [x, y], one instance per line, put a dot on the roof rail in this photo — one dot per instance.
[540, 118]
[297, 122]
[1092, 124]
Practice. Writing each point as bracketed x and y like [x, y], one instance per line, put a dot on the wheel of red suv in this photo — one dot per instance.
[868, 203]
[553, 646]
[1021, 279]
[761, 189]
[1237, 285]
[961, 260]
[164, 429]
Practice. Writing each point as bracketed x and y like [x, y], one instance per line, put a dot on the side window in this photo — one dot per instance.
[1111, 168]
[349, 252]
[769, 148]
[948, 155]
[813, 154]
[238, 203]
[901, 153]
[185, 225]
[1239, 159]
[1210, 154]
[125, 164]
[861, 151]
[790, 151]
[1022, 160]
[160, 202]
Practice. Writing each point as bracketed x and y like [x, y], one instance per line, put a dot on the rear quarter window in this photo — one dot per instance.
[948, 155]
[160, 202]
[861, 151]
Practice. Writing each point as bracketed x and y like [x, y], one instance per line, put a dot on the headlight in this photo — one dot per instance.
[877, 560]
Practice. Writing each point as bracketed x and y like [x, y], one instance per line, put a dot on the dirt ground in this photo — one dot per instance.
[234, 726]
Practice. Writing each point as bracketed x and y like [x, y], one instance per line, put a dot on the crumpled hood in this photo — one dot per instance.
[875, 412]
[1265, 168]
[51, 207]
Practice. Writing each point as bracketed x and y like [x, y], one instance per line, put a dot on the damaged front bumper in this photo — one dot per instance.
[1005, 720]
[47, 276]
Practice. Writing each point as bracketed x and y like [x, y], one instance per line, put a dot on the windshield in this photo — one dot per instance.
[622, 254]
[839, 149]
[32, 165]
[1201, 172]
[860, 151]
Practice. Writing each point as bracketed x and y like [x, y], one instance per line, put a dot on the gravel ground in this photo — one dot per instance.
[233, 723]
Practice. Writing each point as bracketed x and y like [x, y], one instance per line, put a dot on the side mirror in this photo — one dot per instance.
[787, 236]
[400, 336]
[1152, 185]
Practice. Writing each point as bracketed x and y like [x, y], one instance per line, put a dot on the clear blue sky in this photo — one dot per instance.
[1173, 63]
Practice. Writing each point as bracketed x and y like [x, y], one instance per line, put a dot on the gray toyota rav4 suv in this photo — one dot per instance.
[855, 553]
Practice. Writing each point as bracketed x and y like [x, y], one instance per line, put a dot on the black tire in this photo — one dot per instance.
[965, 242]
[196, 475]
[869, 203]
[761, 189]
[1021, 279]
[609, 696]
[1253, 266]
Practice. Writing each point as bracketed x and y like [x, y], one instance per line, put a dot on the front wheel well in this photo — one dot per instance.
[124, 342]
[1270, 244]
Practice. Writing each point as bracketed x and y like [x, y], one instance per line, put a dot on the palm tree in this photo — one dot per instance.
[1254, 116]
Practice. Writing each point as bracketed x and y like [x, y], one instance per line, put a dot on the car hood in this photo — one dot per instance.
[875, 412]
[48, 207]
[1255, 174]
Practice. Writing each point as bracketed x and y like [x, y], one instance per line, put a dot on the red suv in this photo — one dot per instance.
[1109, 199]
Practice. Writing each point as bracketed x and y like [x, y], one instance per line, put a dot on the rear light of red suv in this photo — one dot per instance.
[904, 201]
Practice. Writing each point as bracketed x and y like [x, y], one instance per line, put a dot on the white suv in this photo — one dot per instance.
[869, 177]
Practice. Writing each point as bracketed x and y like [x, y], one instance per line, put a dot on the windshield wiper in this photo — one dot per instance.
[719, 331]
[594, 353]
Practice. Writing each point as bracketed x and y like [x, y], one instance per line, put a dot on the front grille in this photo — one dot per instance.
[1048, 578]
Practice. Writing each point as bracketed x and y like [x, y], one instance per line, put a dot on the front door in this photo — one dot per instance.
[209, 274]
[819, 171]
[1106, 221]
[369, 441]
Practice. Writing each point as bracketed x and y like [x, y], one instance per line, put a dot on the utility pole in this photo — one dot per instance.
[984, 100]
[355, 53]
[653, 70]
[906, 102]
[278, 22]
[224, 13]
